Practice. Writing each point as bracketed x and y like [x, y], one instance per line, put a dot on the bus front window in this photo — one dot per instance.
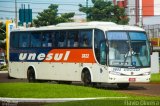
[128, 49]
[140, 49]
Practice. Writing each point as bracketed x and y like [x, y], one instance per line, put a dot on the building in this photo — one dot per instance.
[141, 12]
[146, 14]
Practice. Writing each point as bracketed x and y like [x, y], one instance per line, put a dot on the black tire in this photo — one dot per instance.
[65, 82]
[123, 85]
[86, 78]
[31, 75]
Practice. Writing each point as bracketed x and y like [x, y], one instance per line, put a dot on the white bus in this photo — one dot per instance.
[91, 52]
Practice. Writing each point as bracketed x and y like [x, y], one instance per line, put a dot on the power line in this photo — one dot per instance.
[58, 9]
[5, 14]
[67, 3]
[6, 7]
[12, 11]
[38, 1]
[40, 8]
[71, 4]
[5, 0]
[9, 11]
[78, 13]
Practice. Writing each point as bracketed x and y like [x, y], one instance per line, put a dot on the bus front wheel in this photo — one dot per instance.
[86, 78]
[123, 85]
[31, 75]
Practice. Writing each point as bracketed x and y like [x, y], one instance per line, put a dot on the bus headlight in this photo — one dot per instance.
[114, 73]
[146, 73]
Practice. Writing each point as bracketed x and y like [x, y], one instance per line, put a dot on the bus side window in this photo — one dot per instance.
[46, 39]
[14, 40]
[85, 41]
[53, 39]
[55, 35]
[50, 41]
[76, 37]
[35, 39]
[24, 39]
[72, 39]
[62, 39]
[85, 38]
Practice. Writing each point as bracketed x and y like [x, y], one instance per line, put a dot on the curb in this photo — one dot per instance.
[3, 72]
[51, 100]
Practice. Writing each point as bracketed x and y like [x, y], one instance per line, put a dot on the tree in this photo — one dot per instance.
[2, 34]
[50, 17]
[2, 31]
[105, 11]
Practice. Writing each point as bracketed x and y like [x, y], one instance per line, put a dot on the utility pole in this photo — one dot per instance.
[87, 3]
[86, 7]
[114, 2]
[137, 12]
[140, 14]
[16, 21]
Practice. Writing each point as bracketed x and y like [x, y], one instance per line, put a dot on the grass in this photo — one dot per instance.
[90, 103]
[155, 77]
[47, 90]
[109, 103]
[4, 68]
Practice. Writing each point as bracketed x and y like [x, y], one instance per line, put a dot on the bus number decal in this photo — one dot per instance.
[116, 69]
[85, 55]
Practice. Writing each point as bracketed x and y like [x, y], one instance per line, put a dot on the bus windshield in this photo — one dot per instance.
[128, 49]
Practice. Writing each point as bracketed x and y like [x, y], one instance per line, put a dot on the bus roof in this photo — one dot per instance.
[83, 25]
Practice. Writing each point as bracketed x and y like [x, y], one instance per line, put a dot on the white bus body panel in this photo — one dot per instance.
[59, 71]
[72, 72]
[51, 71]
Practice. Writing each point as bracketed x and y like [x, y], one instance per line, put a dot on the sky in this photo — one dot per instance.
[7, 7]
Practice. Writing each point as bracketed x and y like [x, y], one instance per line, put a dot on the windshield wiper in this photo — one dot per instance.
[126, 56]
[137, 56]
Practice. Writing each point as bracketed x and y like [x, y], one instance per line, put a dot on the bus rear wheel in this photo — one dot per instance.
[31, 75]
[123, 85]
[86, 78]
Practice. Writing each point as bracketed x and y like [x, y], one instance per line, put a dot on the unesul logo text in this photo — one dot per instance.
[43, 56]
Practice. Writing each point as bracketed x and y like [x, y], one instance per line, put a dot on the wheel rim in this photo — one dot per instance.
[31, 76]
[86, 78]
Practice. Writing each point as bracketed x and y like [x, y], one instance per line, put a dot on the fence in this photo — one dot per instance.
[153, 31]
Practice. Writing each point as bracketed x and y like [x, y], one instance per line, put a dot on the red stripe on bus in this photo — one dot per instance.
[70, 55]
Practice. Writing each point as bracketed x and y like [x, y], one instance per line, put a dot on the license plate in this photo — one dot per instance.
[132, 79]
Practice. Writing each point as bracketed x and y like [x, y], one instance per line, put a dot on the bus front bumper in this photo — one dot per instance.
[128, 79]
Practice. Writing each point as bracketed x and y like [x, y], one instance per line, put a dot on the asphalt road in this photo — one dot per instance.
[4, 78]
[143, 89]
